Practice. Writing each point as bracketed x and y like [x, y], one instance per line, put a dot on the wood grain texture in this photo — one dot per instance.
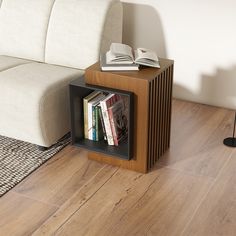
[197, 137]
[131, 208]
[217, 213]
[144, 74]
[74, 204]
[21, 215]
[191, 192]
[152, 89]
[60, 178]
[141, 91]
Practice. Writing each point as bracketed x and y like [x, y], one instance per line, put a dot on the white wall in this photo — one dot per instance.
[199, 35]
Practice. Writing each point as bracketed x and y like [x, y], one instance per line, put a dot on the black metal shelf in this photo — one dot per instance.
[78, 90]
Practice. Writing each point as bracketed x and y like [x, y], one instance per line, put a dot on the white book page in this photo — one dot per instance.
[143, 53]
[120, 54]
[117, 59]
[146, 57]
[121, 49]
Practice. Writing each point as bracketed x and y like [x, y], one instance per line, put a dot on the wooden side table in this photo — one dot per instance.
[152, 89]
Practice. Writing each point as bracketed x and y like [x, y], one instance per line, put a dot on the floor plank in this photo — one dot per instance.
[158, 203]
[82, 196]
[60, 178]
[197, 136]
[217, 214]
[21, 216]
[191, 191]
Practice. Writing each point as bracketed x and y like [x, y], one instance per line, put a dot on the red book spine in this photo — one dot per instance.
[113, 128]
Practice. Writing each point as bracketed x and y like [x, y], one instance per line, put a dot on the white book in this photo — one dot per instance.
[116, 67]
[123, 54]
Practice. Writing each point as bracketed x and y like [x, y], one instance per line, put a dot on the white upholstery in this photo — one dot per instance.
[34, 102]
[67, 33]
[10, 62]
[76, 31]
[23, 28]
[64, 32]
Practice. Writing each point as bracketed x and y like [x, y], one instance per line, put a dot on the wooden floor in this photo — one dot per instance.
[192, 191]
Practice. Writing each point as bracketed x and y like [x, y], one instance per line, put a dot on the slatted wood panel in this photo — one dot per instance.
[152, 111]
[160, 94]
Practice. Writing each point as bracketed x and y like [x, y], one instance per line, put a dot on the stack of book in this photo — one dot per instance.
[121, 57]
[105, 117]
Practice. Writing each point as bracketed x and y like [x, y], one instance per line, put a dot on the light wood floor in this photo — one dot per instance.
[192, 191]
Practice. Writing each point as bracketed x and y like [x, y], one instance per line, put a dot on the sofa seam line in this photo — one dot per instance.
[46, 36]
[12, 67]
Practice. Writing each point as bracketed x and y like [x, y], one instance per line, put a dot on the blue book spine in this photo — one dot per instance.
[94, 123]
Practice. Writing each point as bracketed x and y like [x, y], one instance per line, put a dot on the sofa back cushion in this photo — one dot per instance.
[23, 28]
[63, 32]
[75, 32]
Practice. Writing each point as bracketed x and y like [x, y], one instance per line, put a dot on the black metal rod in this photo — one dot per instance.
[234, 124]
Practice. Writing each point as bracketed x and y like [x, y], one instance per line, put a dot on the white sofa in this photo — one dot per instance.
[44, 44]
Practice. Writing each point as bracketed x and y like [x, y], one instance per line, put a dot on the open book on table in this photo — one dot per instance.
[123, 54]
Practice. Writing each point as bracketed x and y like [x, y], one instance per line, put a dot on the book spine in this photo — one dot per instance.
[94, 124]
[98, 125]
[104, 107]
[113, 128]
[90, 121]
[102, 123]
[85, 103]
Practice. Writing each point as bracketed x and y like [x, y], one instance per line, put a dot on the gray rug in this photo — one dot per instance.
[18, 159]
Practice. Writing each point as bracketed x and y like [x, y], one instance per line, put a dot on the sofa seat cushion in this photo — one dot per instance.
[34, 100]
[10, 62]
